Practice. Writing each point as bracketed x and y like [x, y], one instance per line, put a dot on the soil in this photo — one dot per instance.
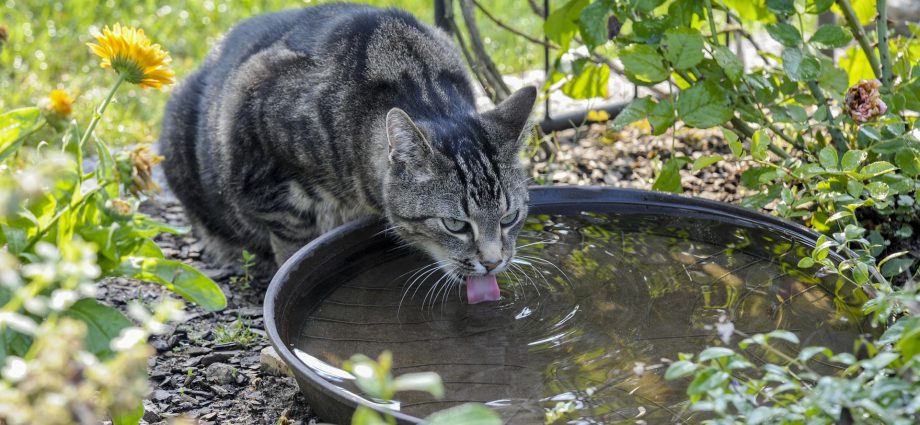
[208, 368]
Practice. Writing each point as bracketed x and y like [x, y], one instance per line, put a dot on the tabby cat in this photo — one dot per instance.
[302, 120]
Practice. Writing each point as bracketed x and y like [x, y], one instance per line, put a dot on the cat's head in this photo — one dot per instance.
[455, 187]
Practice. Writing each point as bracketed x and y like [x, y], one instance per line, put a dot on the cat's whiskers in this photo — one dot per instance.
[417, 278]
[543, 261]
[547, 242]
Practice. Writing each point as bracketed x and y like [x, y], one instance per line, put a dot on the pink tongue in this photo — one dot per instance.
[481, 288]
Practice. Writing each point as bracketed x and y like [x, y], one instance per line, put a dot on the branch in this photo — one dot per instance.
[882, 32]
[511, 29]
[490, 72]
[474, 66]
[860, 34]
[839, 142]
[536, 8]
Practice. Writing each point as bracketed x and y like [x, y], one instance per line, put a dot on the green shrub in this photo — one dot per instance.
[834, 145]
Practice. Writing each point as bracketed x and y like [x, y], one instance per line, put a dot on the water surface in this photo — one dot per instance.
[589, 315]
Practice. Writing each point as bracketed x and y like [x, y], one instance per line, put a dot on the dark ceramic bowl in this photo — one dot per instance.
[303, 281]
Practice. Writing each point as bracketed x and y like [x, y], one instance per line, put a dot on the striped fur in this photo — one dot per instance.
[302, 120]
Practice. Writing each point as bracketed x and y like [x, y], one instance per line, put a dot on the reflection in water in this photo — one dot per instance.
[590, 310]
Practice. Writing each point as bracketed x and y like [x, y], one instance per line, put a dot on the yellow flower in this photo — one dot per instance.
[598, 116]
[61, 103]
[129, 52]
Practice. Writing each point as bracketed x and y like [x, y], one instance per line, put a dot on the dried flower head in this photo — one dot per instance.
[61, 103]
[129, 52]
[863, 102]
[136, 168]
[4, 34]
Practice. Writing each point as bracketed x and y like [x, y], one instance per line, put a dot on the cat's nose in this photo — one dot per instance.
[490, 265]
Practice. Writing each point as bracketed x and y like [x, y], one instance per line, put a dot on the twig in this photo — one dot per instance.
[490, 71]
[853, 22]
[748, 132]
[536, 8]
[882, 32]
[712, 23]
[474, 65]
[510, 28]
[836, 135]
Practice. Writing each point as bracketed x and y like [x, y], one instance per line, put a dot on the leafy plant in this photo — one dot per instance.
[376, 380]
[238, 332]
[62, 228]
[248, 261]
[834, 144]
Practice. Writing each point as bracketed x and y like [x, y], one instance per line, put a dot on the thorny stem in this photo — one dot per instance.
[882, 33]
[712, 22]
[836, 135]
[853, 22]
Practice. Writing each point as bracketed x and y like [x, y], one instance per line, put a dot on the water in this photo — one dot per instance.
[589, 312]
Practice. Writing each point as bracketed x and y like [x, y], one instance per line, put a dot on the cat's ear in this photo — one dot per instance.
[513, 112]
[406, 140]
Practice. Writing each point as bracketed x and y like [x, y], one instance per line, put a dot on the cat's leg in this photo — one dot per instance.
[284, 249]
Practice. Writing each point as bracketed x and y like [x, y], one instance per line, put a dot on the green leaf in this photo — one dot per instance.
[15, 126]
[706, 381]
[705, 161]
[852, 159]
[733, 143]
[749, 10]
[877, 168]
[637, 110]
[428, 382]
[669, 179]
[729, 62]
[855, 188]
[760, 142]
[908, 161]
[806, 262]
[679, 369]
[662, 116]
[856, 65]
[865, 10]
[683, 47]
[781, 6]
[828, 158]
[590, 82]
[784, 335]
[786, 34]
[130, 416]
[817, 7]
[799, 65]
[644, 64]
[367, 416]
[592, 23]
[704, 105]
[103, 323]
[808, 353]
[896, 266]
[715, 353]
[878, 190]
[830, 37]
[561, 25]
[180, 278]
[464, 414]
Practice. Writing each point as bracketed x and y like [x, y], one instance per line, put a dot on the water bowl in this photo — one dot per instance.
[607, 283]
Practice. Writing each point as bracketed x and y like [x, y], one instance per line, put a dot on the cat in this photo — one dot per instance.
[301, 120]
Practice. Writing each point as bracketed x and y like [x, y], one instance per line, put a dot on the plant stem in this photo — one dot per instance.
[98, 115]
[882, 33]
[839, 142]
[860, 34]
[748, 132]
[712, 23]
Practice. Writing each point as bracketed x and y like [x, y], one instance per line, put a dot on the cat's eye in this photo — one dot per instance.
[456, 226]
[509, 218]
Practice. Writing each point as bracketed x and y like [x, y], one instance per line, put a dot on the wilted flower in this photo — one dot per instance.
[136, 168]
[863, 102]
[129, 52]
[4, 36]
[61, 103]
[119, 209]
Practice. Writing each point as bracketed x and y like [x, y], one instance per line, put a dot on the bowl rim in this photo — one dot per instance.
[541, 197]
